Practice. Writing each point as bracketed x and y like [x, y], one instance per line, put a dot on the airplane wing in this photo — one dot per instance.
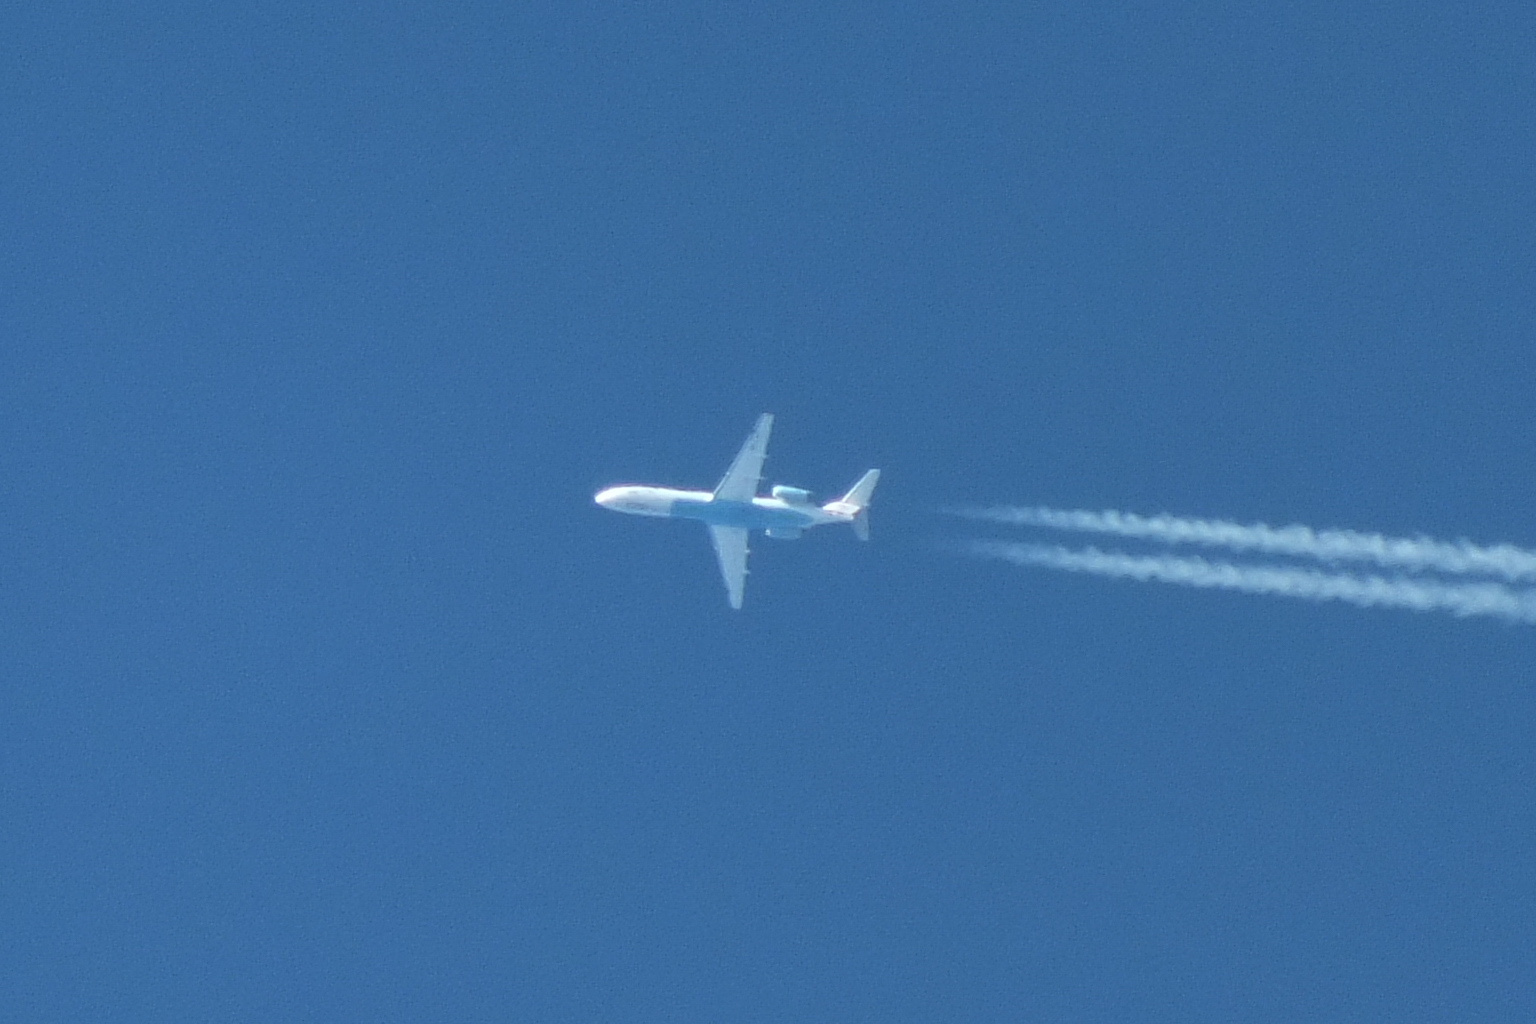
[741, 480]
[731, 549]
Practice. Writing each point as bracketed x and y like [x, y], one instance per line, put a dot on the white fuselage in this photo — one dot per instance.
[775, 514]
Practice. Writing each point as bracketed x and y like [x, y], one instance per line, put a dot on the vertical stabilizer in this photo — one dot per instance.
[859, 494]
[856, 503]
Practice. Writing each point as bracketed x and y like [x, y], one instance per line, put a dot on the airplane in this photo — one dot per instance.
[734, 508]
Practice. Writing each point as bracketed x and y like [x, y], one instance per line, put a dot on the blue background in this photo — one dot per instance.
[328, 695]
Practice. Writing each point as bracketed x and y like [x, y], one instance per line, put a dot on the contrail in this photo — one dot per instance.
[1462, 599]
[1419, 554]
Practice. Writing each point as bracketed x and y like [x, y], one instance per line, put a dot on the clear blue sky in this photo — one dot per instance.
[326, 694]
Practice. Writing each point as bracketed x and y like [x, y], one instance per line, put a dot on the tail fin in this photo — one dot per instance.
[856, 503]
[859, 494]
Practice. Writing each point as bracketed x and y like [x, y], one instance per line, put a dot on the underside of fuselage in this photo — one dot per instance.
[757, 514]
[747, 516]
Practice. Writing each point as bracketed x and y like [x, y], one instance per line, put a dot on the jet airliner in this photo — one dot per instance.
[734, 508]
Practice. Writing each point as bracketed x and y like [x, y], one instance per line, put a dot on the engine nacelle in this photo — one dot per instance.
[779, 533]
[791, 495]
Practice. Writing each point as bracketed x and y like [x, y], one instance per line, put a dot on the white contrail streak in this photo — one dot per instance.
[1420, 554]
[1461, 599]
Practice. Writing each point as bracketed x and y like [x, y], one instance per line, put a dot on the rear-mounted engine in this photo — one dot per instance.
[791, 495]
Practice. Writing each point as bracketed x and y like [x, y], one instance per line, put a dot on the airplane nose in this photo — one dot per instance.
[605, 497]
